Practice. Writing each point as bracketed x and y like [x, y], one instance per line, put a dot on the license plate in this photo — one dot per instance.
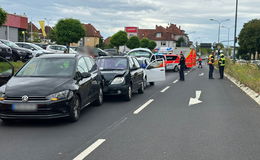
[24, 107]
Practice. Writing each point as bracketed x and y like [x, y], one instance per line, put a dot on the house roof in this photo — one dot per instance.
[107, 40]
[32, 27]
[91, 31]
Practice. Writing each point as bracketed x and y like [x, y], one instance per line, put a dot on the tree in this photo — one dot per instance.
[68, 31]
[52, 35]
[133, 42]
[152, 44]
[119, 39]
[144, 43]
[249, 38]
[181, 42]
[3, 16]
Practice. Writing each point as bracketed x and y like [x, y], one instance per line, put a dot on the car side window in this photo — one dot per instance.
[131, 63]
[27, 46]
[136, 63]
[82, 66]
[53, 47]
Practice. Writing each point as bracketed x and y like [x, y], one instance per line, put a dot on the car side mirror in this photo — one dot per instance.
[85, 75]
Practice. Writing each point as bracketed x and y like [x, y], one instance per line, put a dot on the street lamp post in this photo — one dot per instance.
[228, 28]
[219, 24]
[235, 33]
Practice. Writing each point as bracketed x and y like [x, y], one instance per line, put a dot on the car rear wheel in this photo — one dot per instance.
[141, 89]
[74, 109]
[99, 100]
[128, 95]
[151, 83]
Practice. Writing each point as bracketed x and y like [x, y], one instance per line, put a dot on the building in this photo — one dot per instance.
[13, 26]
[93, 36]
[164, 37]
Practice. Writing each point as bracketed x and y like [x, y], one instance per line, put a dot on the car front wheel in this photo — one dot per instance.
[74, 109]
[128, 95]
[141, 89]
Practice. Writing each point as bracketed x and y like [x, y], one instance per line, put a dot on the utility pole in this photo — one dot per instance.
[235, 33]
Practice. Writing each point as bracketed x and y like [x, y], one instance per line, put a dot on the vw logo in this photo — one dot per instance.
[25, 98]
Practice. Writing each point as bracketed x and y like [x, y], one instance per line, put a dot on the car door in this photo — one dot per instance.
[93, 70]
[155, 71]
[6, 71]
[139, 72]
[132, 72]
[135, 73]
[84, 83]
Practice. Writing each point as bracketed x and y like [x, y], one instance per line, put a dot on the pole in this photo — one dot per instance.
[235, 33]
[228, 40]
[219, 31]
[31, 31]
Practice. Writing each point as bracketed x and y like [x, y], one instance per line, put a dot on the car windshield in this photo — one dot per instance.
[10, 44]
[48, 67]
[140, 54]
[112, 63]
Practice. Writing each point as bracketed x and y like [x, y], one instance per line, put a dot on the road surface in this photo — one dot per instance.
[198, 119]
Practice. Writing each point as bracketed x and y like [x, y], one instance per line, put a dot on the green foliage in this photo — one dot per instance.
[144, 43]
[119, 39]
[249, 38]
[205, 51]
[52, 35]
[181, 42]
[68, 31]
[36, 37]
[3, 16]
[101, 43]
[152, 44]
[133, 42]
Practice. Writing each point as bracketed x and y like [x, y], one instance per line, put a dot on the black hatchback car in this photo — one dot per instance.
[122, 75]
[51, 86]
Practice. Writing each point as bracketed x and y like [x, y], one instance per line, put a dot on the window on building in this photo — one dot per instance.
[158, 35]
[163, 43]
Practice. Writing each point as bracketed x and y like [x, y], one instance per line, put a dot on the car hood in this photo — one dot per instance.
[35, 86]
[4, 46]
[110, 75]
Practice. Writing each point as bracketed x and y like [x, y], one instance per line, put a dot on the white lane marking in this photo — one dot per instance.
[143, 106]
[186, 74]
[202, 74]
[165, 89]
[90, 149]
[175, 81]
[195, 100]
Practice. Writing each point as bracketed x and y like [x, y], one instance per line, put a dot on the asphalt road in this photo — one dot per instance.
[157, 125]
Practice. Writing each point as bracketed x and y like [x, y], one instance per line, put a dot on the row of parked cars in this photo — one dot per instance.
[61, 85]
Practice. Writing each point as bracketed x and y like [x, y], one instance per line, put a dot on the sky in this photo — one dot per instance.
[110, 16]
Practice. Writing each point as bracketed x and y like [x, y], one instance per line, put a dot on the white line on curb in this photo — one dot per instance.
[90, 149]
[175, 81]
[165, 89]
[143, 106]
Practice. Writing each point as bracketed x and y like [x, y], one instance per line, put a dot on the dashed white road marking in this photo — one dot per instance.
[175, 81]
[143, 106]
[202, 74]
[165, 89]
[90, 149]
[186, 73]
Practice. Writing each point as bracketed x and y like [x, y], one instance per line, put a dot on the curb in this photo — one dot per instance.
[255, 96]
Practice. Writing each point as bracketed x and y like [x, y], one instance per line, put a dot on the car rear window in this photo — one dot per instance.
[171, 58]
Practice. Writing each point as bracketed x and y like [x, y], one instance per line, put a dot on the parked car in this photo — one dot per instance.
[5, 51]
[122, 75]
[171, 62]
[75, 48]
[59, 49]
[111, 51]
[33, 47]
[51, 86]
[42, 45]
[18, 53]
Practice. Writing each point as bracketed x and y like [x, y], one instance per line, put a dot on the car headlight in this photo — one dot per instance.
[118, 80]
[60, 95]
[2, 96]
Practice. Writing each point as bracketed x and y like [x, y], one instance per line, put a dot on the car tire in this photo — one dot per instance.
[151, 83]
[176, 69]
[75, 108]
[141, 89]
[128, 95]
[99, 100]
[145, 83]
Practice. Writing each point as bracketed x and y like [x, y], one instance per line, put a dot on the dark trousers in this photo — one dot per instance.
[211, 70]
[200, 65]
[221, 71]
[181, 71]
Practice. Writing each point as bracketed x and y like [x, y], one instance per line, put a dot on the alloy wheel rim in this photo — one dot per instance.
[129, 92]
[100, 96]
[76, 108]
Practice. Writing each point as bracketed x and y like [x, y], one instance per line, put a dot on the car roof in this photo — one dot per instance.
[140, 49]
[59, 55]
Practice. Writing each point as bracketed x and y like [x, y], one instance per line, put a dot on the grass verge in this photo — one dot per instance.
[247, 74]
[5, 66]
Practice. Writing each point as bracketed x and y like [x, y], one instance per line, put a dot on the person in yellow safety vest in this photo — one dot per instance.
[211, 61]
[221, 64]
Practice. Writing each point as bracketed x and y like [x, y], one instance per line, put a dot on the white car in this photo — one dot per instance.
[58, 49]
[33, 47]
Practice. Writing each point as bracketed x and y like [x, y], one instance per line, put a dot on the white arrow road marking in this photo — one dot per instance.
[165, 89]
[90, 149]
[175, 81]
[143, 106]
[195, 100]
[202, 74]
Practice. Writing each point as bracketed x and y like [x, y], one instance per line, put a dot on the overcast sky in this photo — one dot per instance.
[109, 16]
